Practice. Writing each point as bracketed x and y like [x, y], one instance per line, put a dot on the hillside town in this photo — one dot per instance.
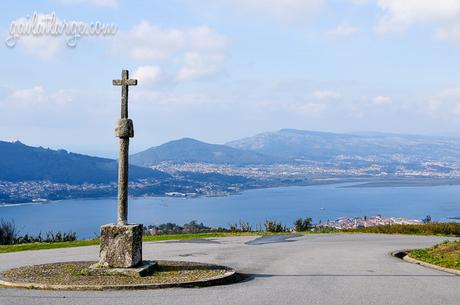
[305, 169]
[367, 221]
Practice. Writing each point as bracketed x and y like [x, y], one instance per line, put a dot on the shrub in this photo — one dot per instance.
[245, 227]
[301, 225]
[195, 227]
[233, 228]
[57, 237]
[71, 236]
[427, 219]
[9, 235]
[170, 228]
[241, 227]
[274, 226]
[8, 232]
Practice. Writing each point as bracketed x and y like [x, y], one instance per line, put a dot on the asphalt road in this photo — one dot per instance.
[312, 269]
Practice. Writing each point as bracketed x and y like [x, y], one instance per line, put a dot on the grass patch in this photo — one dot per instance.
[442, 229]
[91, 242]
[445, 255]
[45, 245]
[198, 235]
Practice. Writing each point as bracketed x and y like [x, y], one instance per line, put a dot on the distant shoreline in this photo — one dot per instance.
[340, 182]
[405, 183]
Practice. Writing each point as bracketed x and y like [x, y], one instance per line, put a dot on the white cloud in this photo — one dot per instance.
[456, 108]
[342, 30]
[198, 66]
[286, 10]
[205, 38]
[38, 96]
[326, 95]
[310, 108]
[382, 100]
[104, 3]
[319, 102]
[449, 33]
[166, 101]
[148, 42]
[444, 103]
[31, 95]
[191, 53]
[44, 47]
[400, 14]
[147, 75]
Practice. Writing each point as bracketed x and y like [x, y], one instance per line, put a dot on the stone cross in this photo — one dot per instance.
[124, 130]
[121, 243]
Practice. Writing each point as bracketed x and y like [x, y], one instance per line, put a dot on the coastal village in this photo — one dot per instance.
[368, 221]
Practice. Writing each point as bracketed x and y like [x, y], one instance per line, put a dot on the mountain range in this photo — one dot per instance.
[291, 145]
[19, 162]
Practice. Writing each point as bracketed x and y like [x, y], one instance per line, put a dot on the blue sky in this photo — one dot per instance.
[220, 70]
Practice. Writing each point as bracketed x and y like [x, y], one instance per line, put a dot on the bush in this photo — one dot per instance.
[8, 232]
[233, 228]
[170, 228]
[9, 235]
[301, 225]
[241, 227]
[192, 227]
[195, 227]
[427, 219]
[274, 226]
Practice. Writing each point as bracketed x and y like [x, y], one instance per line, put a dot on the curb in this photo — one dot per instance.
[405, 257]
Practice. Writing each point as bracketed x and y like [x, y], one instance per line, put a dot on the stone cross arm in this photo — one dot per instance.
[124, 82]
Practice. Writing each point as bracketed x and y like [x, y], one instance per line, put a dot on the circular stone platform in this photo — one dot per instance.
[73, 276]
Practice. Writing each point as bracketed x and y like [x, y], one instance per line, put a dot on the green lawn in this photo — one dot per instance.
[44, 245]
[445, 255]
[198, 235]
[91, 242]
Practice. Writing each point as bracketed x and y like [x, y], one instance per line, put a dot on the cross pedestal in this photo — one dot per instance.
[121, 245]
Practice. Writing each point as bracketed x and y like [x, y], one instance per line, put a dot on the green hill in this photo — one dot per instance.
[19, 162]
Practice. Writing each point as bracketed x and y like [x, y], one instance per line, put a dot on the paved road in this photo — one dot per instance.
[312, 269]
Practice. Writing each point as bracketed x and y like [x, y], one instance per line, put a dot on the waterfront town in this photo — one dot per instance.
[368, 221]
[206, 179]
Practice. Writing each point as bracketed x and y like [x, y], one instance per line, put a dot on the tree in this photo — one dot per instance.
[195, 227]
[305, 224]
[427, 219]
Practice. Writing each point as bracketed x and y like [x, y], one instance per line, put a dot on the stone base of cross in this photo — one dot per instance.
[121, 243]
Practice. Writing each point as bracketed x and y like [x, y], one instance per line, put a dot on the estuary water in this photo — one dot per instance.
[321, 202]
